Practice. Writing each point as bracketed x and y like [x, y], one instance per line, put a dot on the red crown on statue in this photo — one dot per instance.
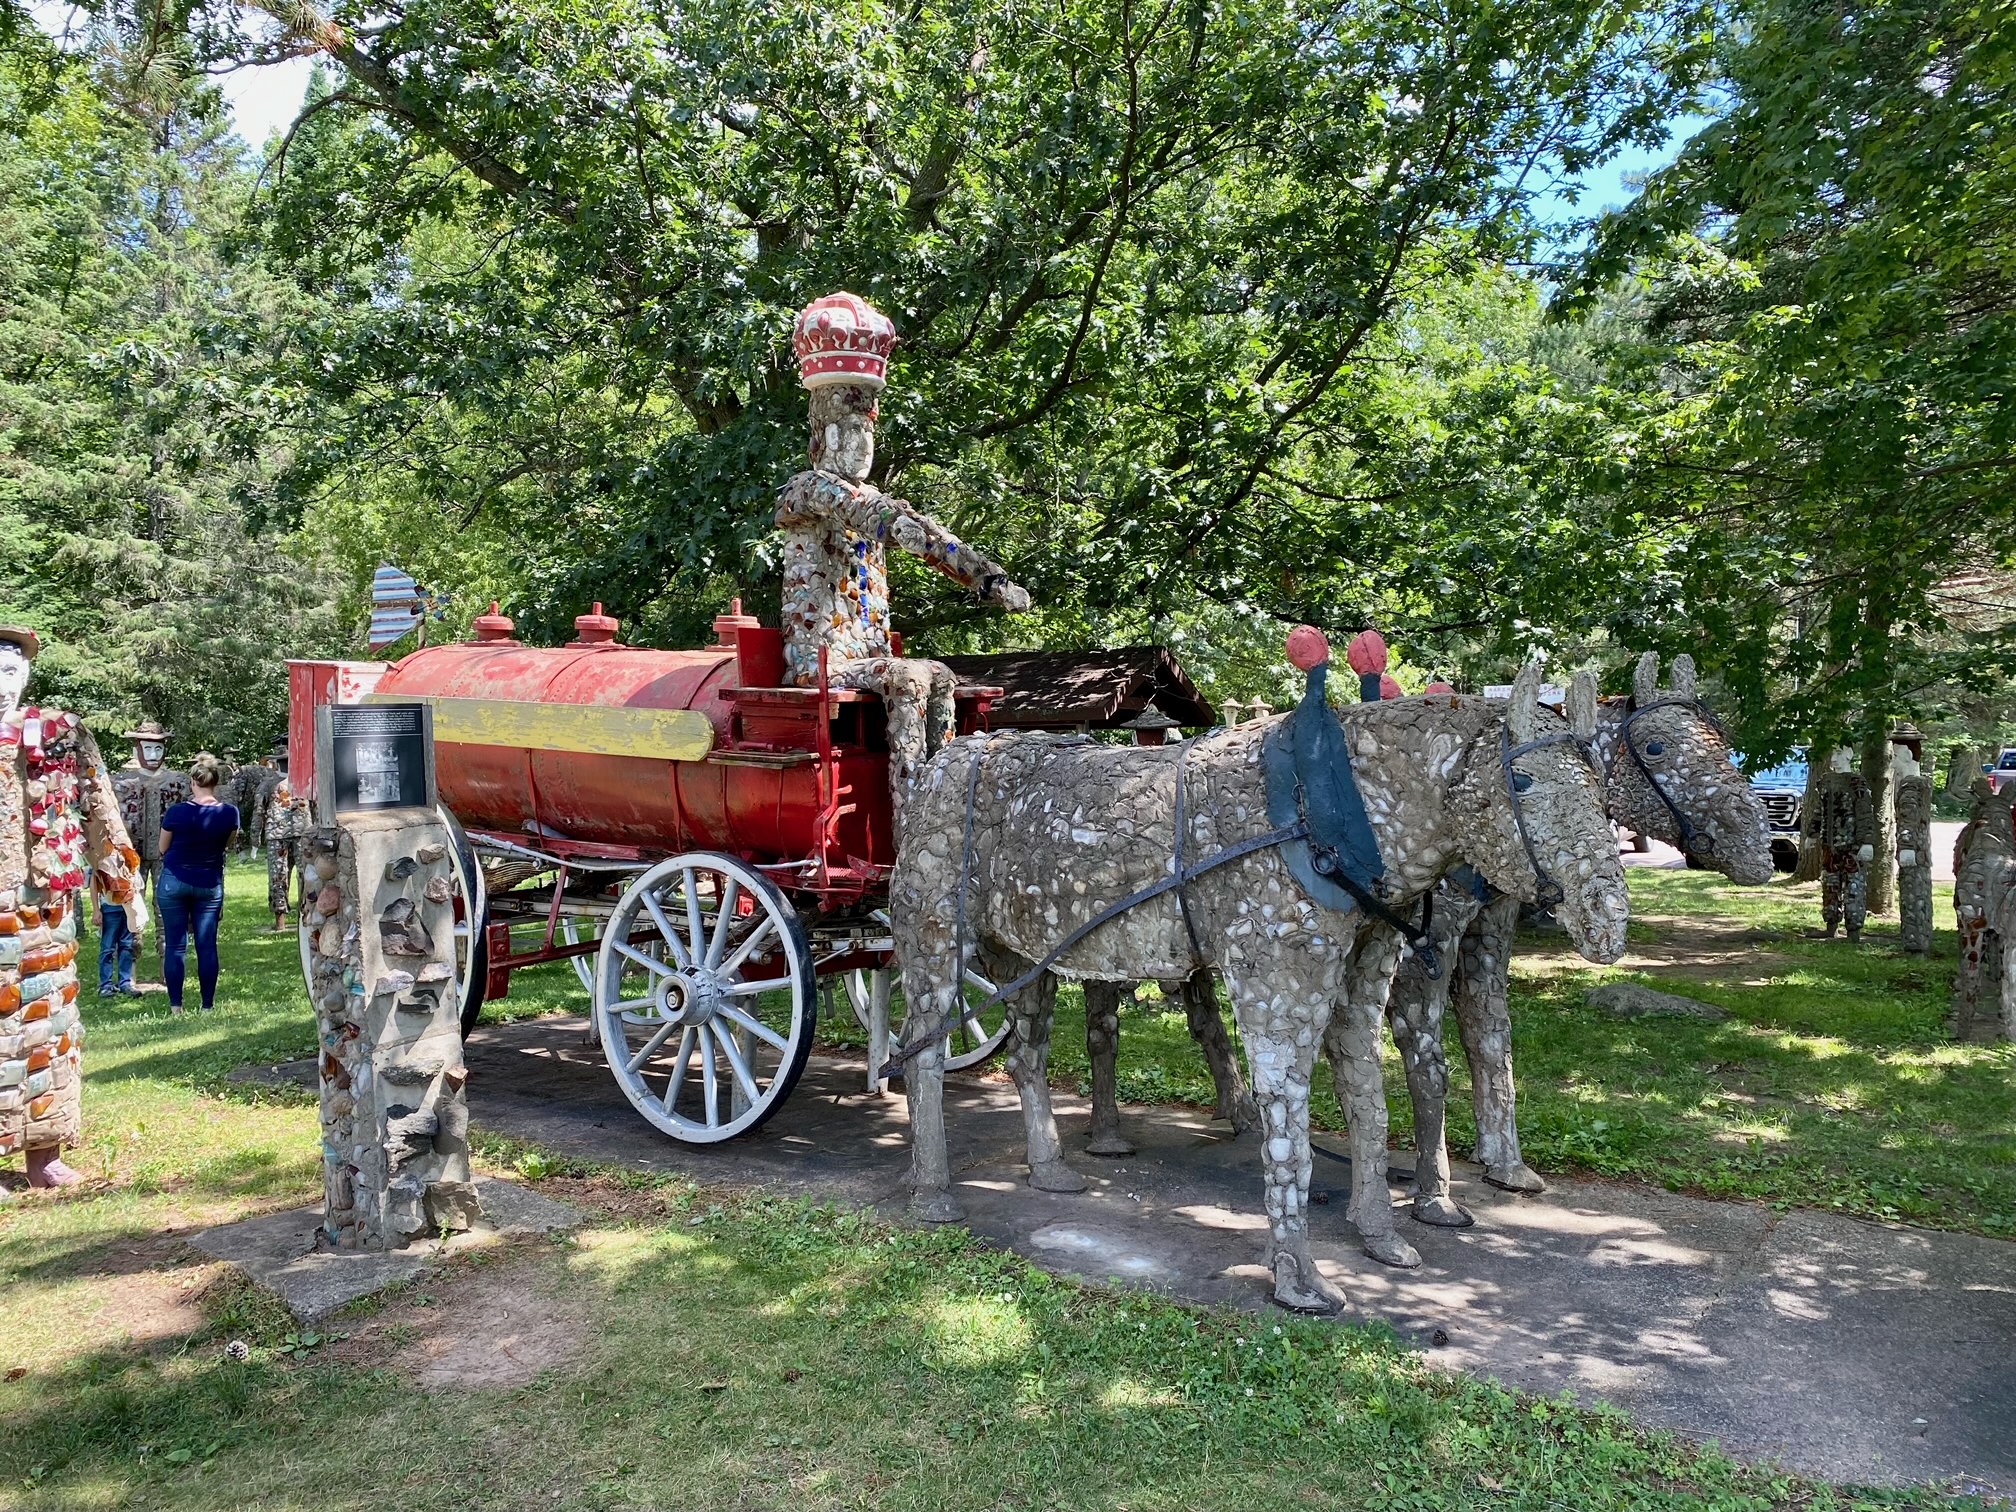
[843, 339]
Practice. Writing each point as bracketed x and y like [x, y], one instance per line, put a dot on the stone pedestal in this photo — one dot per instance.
[378, 927]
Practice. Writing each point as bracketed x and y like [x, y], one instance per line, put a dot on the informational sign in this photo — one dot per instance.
[373, 756]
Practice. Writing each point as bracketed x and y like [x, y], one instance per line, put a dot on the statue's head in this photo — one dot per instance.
[1534, 821]
[843, 345]
[1674, 777]
[150, 744]
[19, 646]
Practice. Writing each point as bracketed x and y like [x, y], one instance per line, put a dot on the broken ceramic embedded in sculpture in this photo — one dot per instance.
[401, 930]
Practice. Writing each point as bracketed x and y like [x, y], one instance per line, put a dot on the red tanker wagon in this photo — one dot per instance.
[702, 844]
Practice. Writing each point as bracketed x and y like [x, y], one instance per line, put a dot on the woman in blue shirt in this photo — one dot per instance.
[190, 894]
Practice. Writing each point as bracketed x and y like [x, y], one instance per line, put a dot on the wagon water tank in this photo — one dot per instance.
[605, 744]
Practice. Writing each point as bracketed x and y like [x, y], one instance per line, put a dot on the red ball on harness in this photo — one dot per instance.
[1367, 652]
[1388, 687]
[1308, 647]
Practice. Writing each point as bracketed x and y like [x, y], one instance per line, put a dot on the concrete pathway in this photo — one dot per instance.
[1945, 834]
[1863, 1353]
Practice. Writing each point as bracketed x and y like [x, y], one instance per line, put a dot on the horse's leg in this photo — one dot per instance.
[1102, 1045]
[933, 993]
[1414, 1010]
[1207, 1027]
[1483, 1015]
[1032, 1011]
[1281, 1070]
[1352, 1041]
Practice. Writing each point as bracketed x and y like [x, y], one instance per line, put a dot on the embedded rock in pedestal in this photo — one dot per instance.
[395, 1123]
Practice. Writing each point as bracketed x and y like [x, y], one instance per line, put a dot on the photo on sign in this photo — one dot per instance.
[378, 789]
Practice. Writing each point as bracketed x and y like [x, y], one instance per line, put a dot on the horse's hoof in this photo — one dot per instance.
[938, 1207]
[1055, 1176]
[1440, 1212]
[1391, 1249]
[1300, 1288]
[1111, 1142]
[1517, 1177]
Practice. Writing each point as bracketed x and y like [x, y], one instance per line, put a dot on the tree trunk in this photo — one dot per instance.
[1879, 774]
[1808, 869]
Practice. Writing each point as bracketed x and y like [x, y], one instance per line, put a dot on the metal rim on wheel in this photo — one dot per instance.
[973, 1041]
[704, 997]
[472, 914]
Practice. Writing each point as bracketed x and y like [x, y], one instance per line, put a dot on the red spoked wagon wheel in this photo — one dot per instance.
[704, 997]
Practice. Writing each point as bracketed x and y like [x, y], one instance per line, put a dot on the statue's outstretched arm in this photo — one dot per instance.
[867, 511]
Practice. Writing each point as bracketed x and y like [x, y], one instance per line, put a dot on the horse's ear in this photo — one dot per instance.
[1645, 681]
[1525, 715]
[1682, 673]
[1582, 706]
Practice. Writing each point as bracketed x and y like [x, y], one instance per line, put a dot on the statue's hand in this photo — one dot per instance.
[1002, 594]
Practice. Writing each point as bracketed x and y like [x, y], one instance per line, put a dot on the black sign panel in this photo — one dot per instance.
[373, 756]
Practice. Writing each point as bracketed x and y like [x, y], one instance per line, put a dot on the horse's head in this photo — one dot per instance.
[1530, 806]
[1670, 774]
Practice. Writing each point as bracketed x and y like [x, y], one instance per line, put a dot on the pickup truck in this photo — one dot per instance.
[2002, 775]
[1782, 791]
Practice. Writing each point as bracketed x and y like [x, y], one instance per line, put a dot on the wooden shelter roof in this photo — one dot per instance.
[1096, 689]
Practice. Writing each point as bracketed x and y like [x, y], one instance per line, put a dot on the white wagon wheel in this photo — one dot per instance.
[584, 965]
[472, 912]
[974, 1040]
[704, 997]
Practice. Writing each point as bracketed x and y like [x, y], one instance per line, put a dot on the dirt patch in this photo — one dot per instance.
[1688, 948]
[491, 1328]
[150, 1306]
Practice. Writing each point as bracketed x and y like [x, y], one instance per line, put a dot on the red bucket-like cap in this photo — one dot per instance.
[1308, 647]
[594, 628]
[494, 626]
[1389, 687]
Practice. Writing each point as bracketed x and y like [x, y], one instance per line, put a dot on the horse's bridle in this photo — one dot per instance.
[1547, 890]
[1693, 842]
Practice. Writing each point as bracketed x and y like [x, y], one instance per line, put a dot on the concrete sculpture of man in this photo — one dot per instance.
[1984, 882]
[1847, 846]
[1914, 854]
[59, 825]
[837, 527]
[147, 789]
[287, 823]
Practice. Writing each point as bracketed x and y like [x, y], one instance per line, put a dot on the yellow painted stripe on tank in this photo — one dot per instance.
[592, 729]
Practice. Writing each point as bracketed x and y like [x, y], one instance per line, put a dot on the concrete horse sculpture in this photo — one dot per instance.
[1016, 844]
[1667, 773]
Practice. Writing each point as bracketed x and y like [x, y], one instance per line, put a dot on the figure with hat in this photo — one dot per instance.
[254, 790]
[287, 823]
[1847, 845]
[837, 528]
[60, 826]
[147, 789]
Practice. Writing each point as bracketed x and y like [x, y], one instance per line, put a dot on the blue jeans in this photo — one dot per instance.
[187, 910]
[115, 952]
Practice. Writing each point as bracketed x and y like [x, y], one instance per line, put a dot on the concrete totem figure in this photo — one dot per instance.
[1847, 845]
[1914, 854]
[1260, 851]
[147, 789]
[288, 822]
[59, 824]
[1984, 885]
[1668, 774]
[837, 528]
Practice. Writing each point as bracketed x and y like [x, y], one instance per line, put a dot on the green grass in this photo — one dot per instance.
[739, 1350]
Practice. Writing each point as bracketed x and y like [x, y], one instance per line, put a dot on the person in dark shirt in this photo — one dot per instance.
[190, 899]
